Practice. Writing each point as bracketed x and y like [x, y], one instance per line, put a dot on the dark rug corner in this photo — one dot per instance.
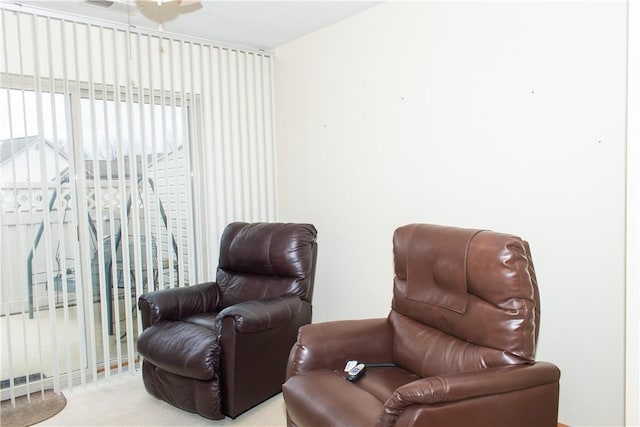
[42, 406]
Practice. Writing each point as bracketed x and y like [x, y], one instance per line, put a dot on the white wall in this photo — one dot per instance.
[501, 115]
[632, 387]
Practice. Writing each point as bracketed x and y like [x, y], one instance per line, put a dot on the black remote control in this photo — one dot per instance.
[355, 369]
[356, 372]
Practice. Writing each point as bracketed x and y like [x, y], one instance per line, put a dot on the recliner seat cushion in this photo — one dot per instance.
[339, 402]
[181, 348]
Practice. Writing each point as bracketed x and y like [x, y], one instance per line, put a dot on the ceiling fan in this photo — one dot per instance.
[159, 11]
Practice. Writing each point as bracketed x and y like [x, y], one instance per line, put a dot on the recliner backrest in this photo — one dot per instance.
[261, 260]
[463, 299]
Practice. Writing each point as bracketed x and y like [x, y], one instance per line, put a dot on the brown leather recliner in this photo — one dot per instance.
[220, 348]
[460, 338]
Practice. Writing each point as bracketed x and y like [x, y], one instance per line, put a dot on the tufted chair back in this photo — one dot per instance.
[463, 300]
[262, 260]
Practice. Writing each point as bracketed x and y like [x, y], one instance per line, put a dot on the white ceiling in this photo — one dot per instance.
[257, 24]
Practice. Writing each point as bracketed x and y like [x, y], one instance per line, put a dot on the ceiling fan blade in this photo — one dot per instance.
[101, 3]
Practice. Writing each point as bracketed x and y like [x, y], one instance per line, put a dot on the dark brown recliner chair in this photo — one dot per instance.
[461, 333]
[222, 347]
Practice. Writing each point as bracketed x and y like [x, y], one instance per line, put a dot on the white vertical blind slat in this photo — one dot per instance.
[143, 286]
[46, 221]
[217, 152]
[134, 197]
[243, 167]
[178, 106]
[227, 136]
[253, 143]
[195, 132]
[67, 36]
[154, 151]
[61, 210]
[166, 102]
[111, 208]
[36, 296]
[6, 294]
[236, 165]
[97, 181]
[269, 141]
[191, 132]
[84, 243]
[262, 150]
[122, 233]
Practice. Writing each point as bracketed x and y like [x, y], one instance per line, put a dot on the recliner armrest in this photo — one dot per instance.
[329, 345]
[262, 314]
[466, 385]
[177, 303]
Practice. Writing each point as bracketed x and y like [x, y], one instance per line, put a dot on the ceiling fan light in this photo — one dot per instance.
[179, 2]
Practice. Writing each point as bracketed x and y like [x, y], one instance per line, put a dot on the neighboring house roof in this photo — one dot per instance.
[104, 165]
[10, 148]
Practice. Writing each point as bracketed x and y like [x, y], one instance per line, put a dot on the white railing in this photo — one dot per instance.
[23, 218]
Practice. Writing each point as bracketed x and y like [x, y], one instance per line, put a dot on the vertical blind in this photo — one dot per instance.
[124, 153]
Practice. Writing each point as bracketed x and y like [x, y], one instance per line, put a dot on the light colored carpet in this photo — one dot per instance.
[29, 411]
[123, 401]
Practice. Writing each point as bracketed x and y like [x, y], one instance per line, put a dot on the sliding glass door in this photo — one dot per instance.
[95, 198]
[36, 202]
[106, 134]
